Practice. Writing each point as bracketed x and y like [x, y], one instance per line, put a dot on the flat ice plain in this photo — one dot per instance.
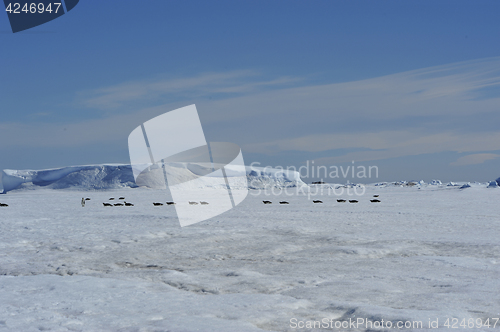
[419, 255]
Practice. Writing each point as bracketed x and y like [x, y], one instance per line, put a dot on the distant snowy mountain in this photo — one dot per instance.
[115, 176]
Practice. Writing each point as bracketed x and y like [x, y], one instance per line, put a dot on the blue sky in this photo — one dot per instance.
[409, 86]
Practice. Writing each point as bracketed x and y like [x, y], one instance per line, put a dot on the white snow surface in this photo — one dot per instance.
[115, 176]
[429, 252]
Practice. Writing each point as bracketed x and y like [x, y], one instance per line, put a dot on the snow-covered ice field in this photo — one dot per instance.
[420, 254]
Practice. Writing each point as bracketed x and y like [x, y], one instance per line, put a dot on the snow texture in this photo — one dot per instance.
[419, 254]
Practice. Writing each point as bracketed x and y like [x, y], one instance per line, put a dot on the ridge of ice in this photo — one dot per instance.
[116, 176]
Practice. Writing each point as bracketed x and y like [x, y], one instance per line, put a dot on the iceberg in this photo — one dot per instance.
[88, 177]
[492, 184]
[116, 176]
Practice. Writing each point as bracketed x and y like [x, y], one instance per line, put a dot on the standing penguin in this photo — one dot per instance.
[83, 202]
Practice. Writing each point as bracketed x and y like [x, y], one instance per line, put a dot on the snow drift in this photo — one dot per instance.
[116, 176]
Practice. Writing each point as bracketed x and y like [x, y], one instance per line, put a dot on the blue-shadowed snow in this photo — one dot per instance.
[493, 184]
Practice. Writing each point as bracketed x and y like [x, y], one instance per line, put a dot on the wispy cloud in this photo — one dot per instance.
[114, 128]
[385, 145]
[235, 82]
[39, 115]
[450, 90]
[417, 112]
[422, 111]
[474, 159]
